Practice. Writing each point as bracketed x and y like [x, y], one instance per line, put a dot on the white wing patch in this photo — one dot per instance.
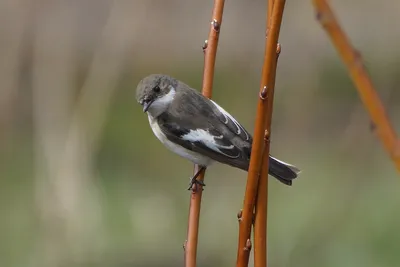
[195, 157]
[208, 140]
[230, 117]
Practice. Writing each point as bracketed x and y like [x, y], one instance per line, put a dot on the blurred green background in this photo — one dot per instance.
[85, 183]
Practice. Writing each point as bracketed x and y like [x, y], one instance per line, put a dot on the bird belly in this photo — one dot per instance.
[195, 157]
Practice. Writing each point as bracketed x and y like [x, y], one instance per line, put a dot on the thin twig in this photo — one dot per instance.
[210, 52]
[261, 208]
[269, 12]
[266, 92]
[363, 83]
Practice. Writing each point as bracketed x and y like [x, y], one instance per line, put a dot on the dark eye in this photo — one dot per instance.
[156, 89]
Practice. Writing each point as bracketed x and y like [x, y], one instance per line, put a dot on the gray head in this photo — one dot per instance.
[155, 93]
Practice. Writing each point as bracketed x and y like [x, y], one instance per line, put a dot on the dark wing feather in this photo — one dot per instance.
[174, 132]
[231, 123]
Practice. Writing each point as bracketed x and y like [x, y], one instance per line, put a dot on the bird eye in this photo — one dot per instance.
[156, 89]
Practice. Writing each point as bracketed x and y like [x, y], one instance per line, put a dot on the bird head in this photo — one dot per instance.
[155, 93]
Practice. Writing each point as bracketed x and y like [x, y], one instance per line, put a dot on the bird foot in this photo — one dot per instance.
[193, 185]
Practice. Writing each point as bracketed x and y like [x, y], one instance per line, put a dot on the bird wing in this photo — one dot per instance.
[231, 123]
[207, 141]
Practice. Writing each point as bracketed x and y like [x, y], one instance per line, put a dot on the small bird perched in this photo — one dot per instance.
[198, 129]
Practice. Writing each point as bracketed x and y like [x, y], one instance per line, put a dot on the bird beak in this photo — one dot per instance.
[147, 105]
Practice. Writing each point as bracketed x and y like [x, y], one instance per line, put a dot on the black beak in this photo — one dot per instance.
[147, 105]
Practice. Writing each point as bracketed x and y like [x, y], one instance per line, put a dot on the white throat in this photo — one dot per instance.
[161, 104]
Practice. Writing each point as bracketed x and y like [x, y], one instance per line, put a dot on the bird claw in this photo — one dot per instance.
[195, 182]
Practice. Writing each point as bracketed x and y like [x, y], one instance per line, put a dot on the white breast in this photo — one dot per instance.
[181, 151]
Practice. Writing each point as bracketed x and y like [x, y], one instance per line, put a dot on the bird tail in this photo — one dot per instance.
[282, 171]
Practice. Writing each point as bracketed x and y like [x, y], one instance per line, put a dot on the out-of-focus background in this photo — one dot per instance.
[85, 183]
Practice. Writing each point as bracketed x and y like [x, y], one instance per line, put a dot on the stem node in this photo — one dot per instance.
[263, 94]
[266, 135]
[216, 25]
[239, 215]
[248, 245]
[205, 45]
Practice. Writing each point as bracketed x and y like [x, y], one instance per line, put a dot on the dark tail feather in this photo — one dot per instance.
[282, 171]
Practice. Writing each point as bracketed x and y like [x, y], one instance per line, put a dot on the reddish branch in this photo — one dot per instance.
[260, 147]
[261, 207]
[210, 52]
[363, 83]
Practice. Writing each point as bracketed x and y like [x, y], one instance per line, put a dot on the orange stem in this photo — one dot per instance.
[363, 83]
[266, 94]
[210, 51]
[269, 11]
[261, 207]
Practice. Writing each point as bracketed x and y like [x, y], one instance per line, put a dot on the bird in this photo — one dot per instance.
[198, 129]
